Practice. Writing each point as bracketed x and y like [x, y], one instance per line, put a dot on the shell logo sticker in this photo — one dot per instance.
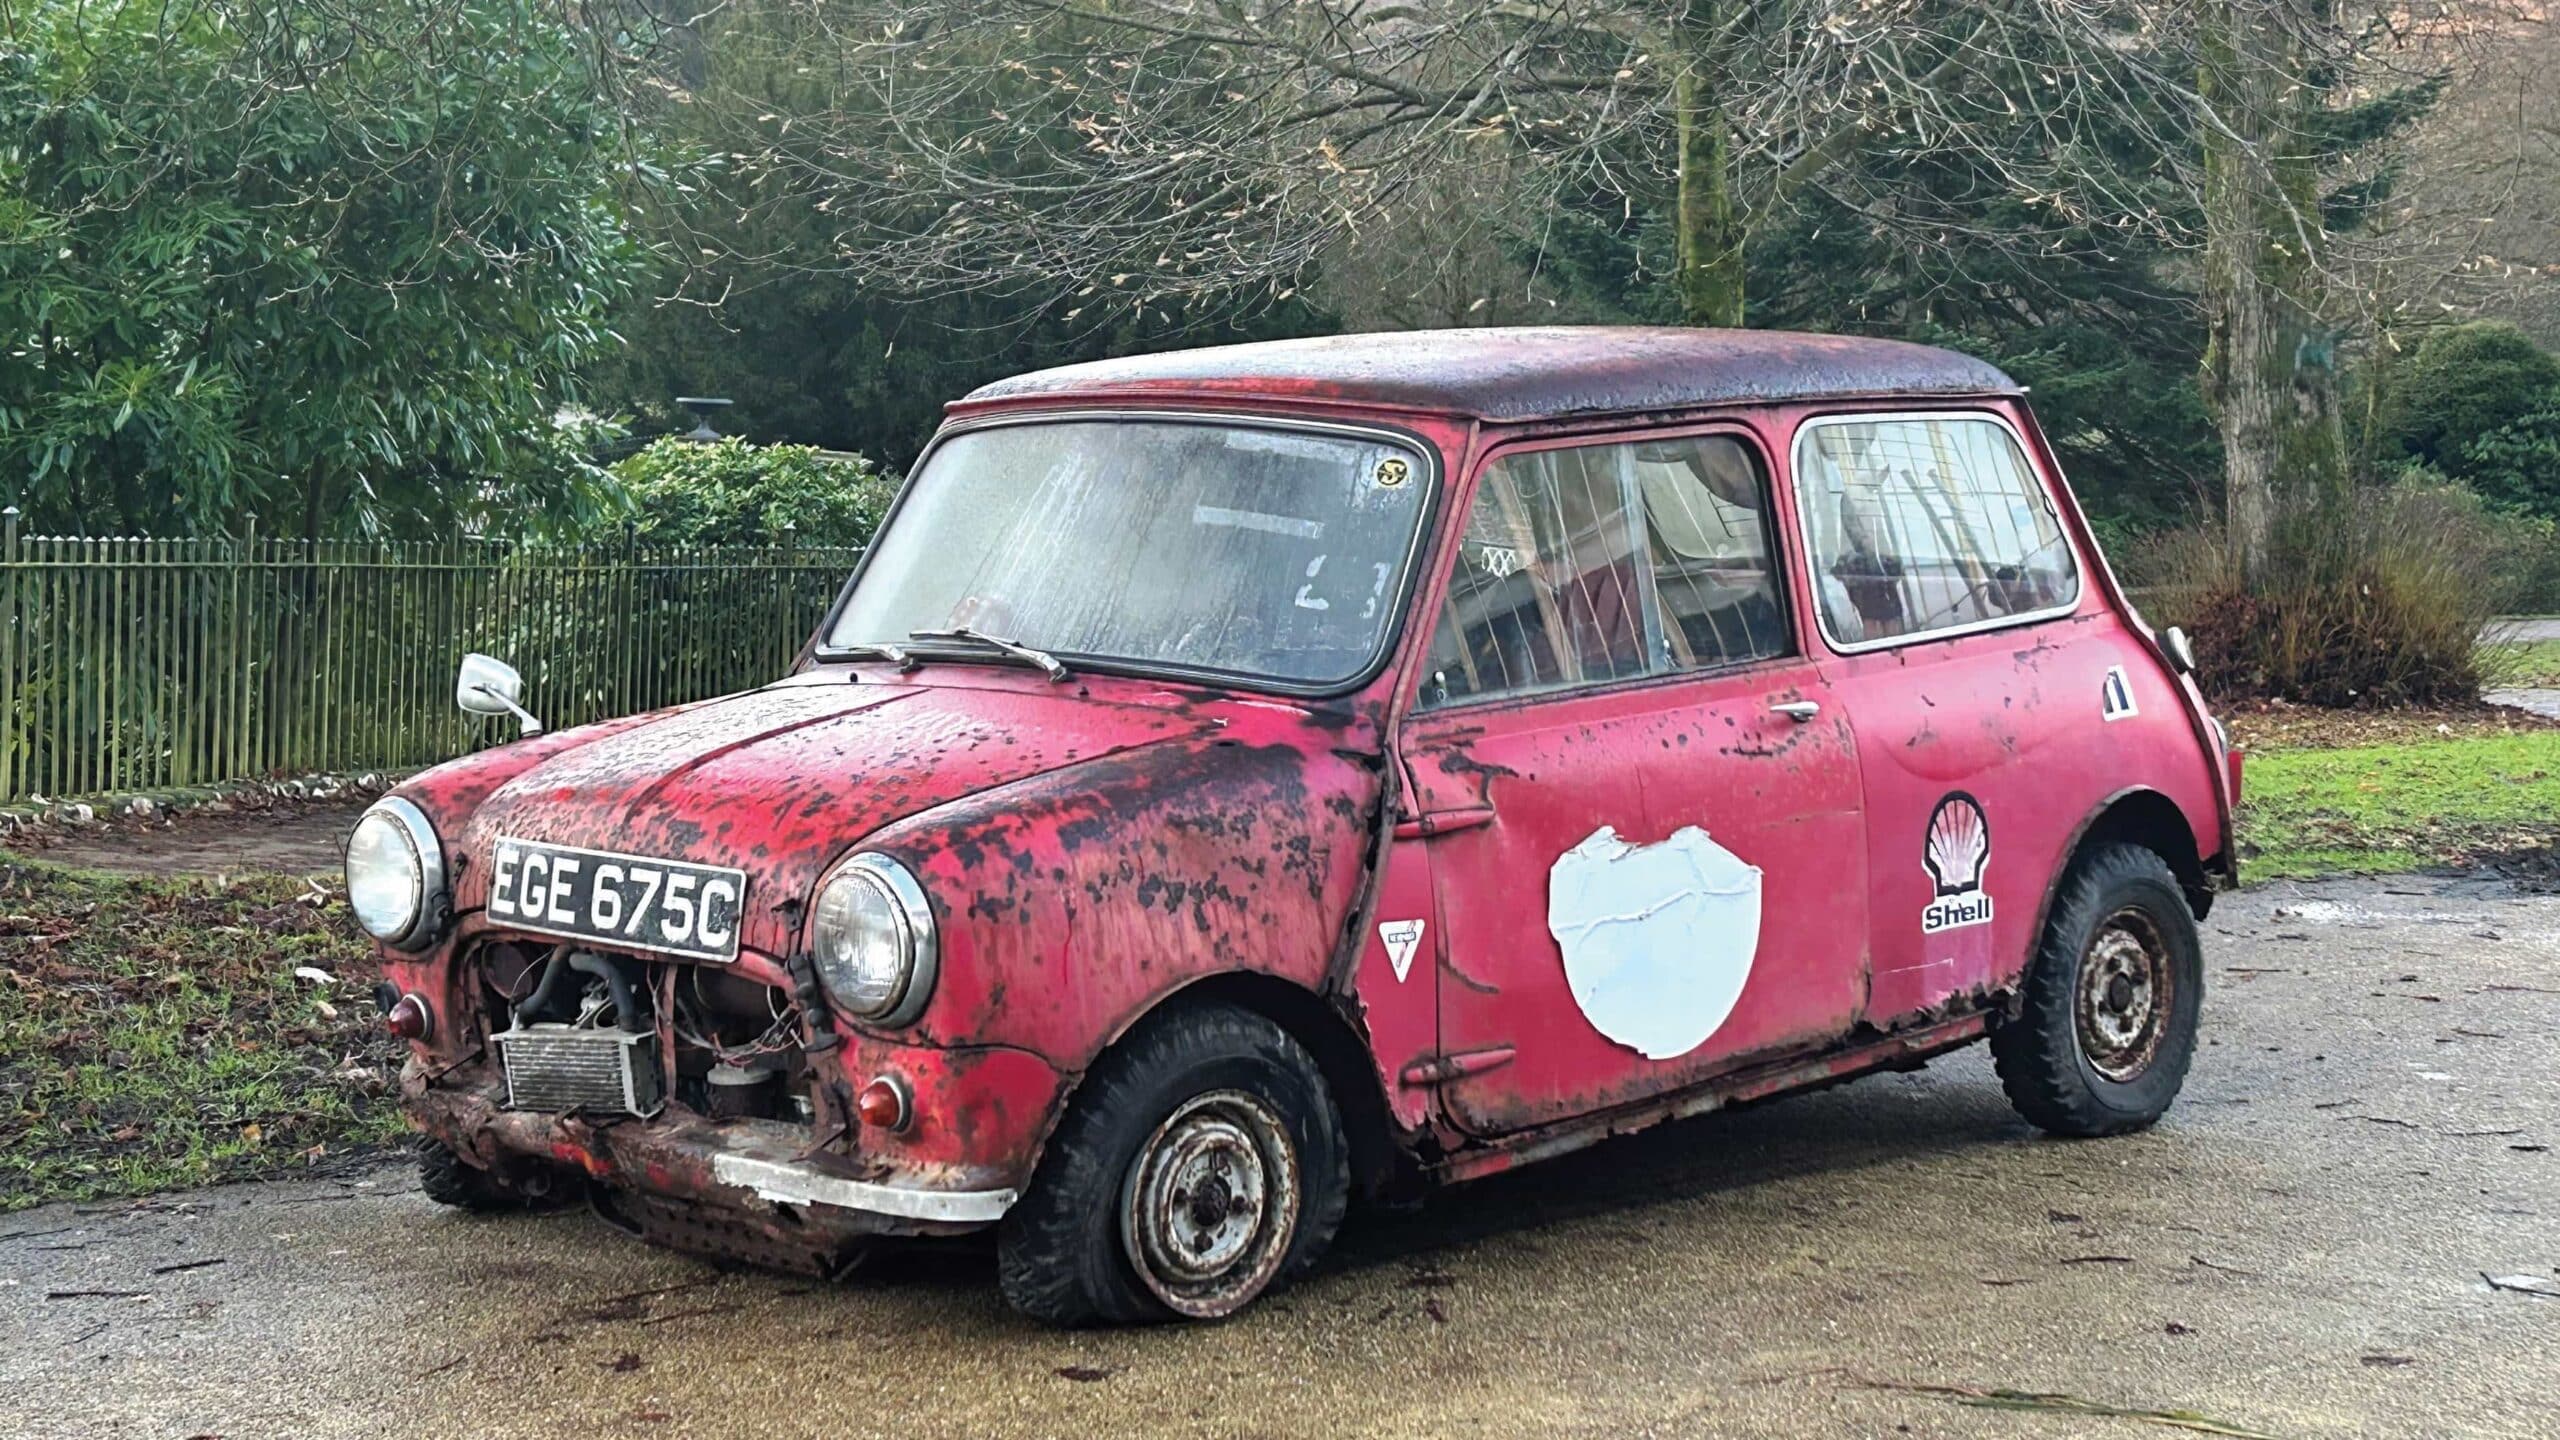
[1957, 851]
[1402, 938]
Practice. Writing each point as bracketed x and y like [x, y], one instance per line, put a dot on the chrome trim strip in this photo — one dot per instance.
[788, 1184]
[2044, 493]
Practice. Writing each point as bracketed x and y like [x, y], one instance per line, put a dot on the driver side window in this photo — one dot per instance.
[1603, 562]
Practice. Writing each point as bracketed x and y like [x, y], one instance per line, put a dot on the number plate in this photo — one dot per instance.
[630, 901]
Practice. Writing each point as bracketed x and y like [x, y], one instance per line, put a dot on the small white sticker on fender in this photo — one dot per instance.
[1402, 938]
[2117, 701]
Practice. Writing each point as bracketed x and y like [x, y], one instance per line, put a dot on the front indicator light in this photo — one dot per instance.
[409, 1018]
[883, 1105]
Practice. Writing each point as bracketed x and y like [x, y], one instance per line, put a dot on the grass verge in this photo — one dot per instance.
[2528, 663]
[2453, 799]
[153, 1034]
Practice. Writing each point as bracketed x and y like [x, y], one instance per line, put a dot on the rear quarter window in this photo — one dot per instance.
[1920, 525]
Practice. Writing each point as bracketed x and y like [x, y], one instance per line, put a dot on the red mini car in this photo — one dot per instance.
[1239, 779]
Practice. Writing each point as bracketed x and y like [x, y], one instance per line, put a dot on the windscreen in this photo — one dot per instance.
[1264, 552]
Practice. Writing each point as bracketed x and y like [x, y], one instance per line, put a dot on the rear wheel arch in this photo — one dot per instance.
[2141, 817]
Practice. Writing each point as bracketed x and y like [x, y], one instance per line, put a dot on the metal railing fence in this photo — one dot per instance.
[142, 664]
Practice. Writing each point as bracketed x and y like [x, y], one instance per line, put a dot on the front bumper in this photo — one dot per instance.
[745, 1188]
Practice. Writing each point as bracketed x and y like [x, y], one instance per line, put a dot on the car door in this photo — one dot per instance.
[1639, 797]
[1947, 589]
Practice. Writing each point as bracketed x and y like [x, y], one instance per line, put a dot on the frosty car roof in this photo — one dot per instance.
[1527, 374]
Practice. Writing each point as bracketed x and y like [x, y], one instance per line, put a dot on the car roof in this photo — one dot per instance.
[1527, 373]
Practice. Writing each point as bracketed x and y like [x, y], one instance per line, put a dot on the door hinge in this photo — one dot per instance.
[1443, 822]
[1441, 1069]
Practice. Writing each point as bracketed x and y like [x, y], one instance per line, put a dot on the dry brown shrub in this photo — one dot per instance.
[2373, 598]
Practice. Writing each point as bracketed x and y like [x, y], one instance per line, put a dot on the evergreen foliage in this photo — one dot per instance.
[323, 270]
[2466, 383]
[732, 492]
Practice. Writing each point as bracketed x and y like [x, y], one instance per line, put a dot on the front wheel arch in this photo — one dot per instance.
[1158, 1124]
[1380, 1163]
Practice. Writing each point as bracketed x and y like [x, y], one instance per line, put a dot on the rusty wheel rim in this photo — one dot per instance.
[1211, 1204]
[2127, 994]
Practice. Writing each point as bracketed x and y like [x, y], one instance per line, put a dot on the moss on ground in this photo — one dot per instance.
[153, 1034]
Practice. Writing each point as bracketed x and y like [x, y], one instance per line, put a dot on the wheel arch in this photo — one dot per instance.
[1378, 1161]
[2144, 817]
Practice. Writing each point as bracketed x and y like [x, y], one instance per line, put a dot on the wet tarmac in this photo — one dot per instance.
[2302, 1249]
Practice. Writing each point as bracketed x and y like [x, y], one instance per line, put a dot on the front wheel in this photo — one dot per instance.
[1201, 1164]
[2107, 1025]
[448, 1179]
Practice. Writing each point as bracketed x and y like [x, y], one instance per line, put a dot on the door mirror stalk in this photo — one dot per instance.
[490, 686]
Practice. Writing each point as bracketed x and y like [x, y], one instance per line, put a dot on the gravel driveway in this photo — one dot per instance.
[2298, 1251]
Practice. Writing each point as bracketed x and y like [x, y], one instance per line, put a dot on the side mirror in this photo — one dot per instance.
[490, 686]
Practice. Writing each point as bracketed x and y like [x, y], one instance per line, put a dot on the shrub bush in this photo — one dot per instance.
[2517, 466]
[2534, 541]
[2465, 382]
[733, 492]
[2373, 598]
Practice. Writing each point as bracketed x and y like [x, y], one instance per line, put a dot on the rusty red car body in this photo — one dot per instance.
[1096, 848]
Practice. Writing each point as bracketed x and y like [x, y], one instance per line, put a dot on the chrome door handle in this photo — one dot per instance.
[1800, 711]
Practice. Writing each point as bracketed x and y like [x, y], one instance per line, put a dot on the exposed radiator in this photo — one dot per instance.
[557, 1069]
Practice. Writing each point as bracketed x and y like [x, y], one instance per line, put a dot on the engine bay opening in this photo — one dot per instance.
[583, 1031]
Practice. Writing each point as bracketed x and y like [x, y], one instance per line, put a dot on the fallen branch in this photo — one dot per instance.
[2524, 1284]
[2070, 1405]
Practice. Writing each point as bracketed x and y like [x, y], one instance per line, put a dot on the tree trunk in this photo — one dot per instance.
[1709, 277]
[2270, 370]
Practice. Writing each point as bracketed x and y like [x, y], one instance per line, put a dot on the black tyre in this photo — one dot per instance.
[1201, 1164]
[448, 1179]
[2111, 1002]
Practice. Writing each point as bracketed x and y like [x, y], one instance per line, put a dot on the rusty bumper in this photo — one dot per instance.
[755, 1175]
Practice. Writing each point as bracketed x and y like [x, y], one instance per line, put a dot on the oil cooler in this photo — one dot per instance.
[560, 1069]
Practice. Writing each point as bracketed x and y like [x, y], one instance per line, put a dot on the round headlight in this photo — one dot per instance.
[871, 934]
[395, 873]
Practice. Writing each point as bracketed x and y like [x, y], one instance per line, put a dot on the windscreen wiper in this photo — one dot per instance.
[880, 650]
[1047, 662]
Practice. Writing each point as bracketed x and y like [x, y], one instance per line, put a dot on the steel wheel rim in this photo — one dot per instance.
[2126, 996]
[1211, 1204]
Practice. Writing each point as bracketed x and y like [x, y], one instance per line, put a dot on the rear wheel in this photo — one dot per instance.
[2107, 1026]
[1201, 1164]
